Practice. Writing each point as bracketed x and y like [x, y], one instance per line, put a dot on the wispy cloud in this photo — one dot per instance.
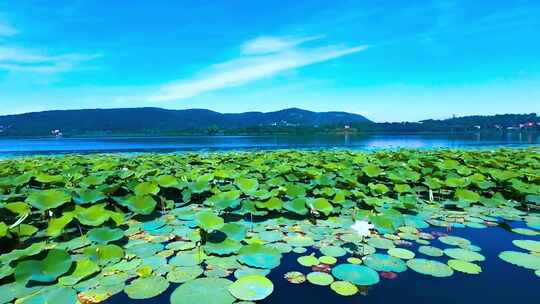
[23, 59]
[261, 57]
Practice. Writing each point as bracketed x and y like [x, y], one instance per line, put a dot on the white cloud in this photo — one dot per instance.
[16, 59]
[261, 57]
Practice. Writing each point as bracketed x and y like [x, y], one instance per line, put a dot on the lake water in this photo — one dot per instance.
[14, 147]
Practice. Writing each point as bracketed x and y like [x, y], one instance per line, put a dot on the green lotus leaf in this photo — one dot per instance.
[224, 200]
[51, 295]
[23, 230]
[209, 221]
[297, 206]
[525, 231]
[402, 188]
[378, 189]
[353, 260]
[247, 185]
[203, 291]
[141, 204]
[19, 208]
[146, 288]
[464, 266]
[455, 241]
[246, 271]
[83, 269]
[344, 288]
[467, 195]
[372, 170]
[333, 251]
[227, 246]
[295, 277]
[308, 260]
[3, 229]
[328, 260]
[401, 253]
[186, 259]
[464, 255]
[167, 181]
[295, 190]
[56, 225]
[430, 267]
[88, 196]
[431, 251]
[146, 188]
[184, 274]
[457, 182]
[530, 245]
[14, 255]
[322, 205]
[55, 264]
[319, 278]
[201, 184]
[48, 199]
[104, 254]
[251, 288]
[521, 259]
[104, 235]
[381, 243]
[260, 256]
[356, 274]
[5, 271]
[94, 180]
[95, 215]
[49, 179]
[384, 262]
[299, 241]
[234, 231]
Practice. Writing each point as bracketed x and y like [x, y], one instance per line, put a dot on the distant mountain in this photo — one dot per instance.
[152, 121]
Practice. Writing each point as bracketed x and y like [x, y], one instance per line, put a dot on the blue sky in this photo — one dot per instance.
[389, 60]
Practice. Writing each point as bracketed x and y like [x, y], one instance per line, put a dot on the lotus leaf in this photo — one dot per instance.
[455, 241]
[83, 269]
[384, 262]
[328, 260]
[295, 277]
[464, 255]
[244, 271]
[104, 254]
[344, 288]
[209, 221]
[308, 260]
[247, 185]
[251, 288]
[464, 266]
[105, 235]
[227, 246]
[521, 259]
[260, 256]
[356, 274]
[530, 245]
[333, 251]
[430, 267]
[431, 251]
[48, 199]
[56, 263]
[146, 188]
[319, 278]
[51, 295]
[146, 288]
[203, 291]
[234, 231]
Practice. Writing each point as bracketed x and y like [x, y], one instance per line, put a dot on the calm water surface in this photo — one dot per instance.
[11, 147]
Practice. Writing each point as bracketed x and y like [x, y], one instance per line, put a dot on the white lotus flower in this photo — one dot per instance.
[362, 228]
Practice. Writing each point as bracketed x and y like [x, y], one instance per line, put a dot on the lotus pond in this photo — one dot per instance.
[276, 227]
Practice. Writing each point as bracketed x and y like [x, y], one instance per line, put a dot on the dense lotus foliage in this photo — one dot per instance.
[210, 228]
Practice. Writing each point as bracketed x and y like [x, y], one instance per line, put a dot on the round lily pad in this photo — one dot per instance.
[401, 253]
[526, 231]
[327, 260]
[381, 243]
[56, 263]
[464, 255]
[104, 235]
[431, 251]
[356, 274]
[384, 262]
[320, 278]
[521, 259]
[464, 266]
[530, 245]
[251, 288]
[308, 260]
[146, 288]
[260, 256]
[455, 241]
[430, 267]
[333, 251]
[354, 260]
[203, 291]
[184, 274]
[52, 295]
[344, 288]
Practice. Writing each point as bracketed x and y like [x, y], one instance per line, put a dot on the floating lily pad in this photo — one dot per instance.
[354, 260]
[105, 235]
[52, 295]
[344, 288]
[530, 245]
[401, 253]
[430, 267]
[464, 255]
[455, 241]
[384, 262]
[48, 199]
[356, 274]
[464, 266]
[521, 259]
[320, 278]
[56, 263]
[260, 256]
[251, 288]
[327, 260]
[184, 274]
[83, 269]
[245, 271]
[209, 221]
[431, 251]
[146, 288]
[333, 251]
[526, 231]
[203, 291]
[308, 260]
[381, 243]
